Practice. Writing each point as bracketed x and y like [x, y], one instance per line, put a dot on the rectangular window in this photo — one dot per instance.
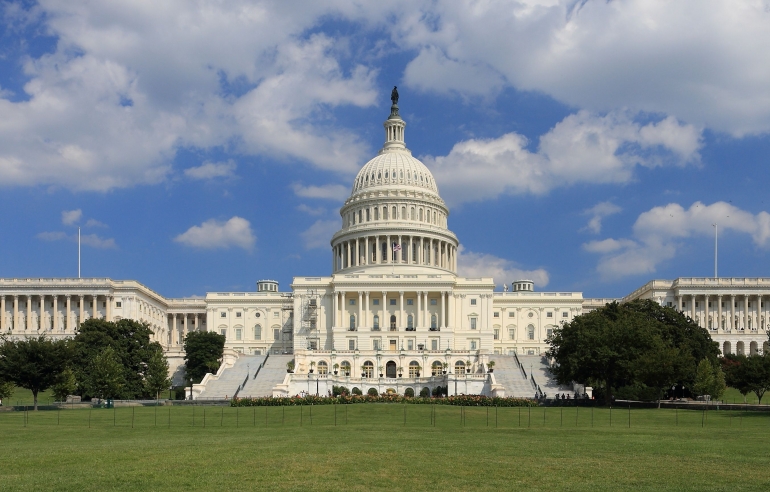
[238, 334]
[118, 304]
[434, 344]
[223, 314]
[313, 345]
[473, 302]
[433, 302]
[496, 315]
[410, 302]
[258, 333]
[697, 303]
[392, 302]
[376, 344]
[223, 333]
[549, 315]
[393, 345]
[511, 333]
[351, 344]
[548, 332]
[496, 335]
[669, 304]
[709, 304]
[473, 344]
[352, 302]
[238, 314]
[473, 323]
[104, 304]
[376, 302]
[565, 314]
[276, 314]
[531, 333]
[410, 344]
[276, 334]
[511, 314]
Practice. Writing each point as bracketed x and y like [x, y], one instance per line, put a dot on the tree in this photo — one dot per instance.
[7, 389]
[65, 385]
[33, 363]
[753, 374]
[156, 377]
[130, 341]
[105, 377]
[640, 348]
[203, 353]
[704, 378]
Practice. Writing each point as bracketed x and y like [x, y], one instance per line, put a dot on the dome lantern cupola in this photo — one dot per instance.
[394, 127]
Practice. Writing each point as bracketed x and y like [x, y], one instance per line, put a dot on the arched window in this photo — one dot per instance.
[420, 215]
[367, 369]
[386, 174]
[360, 216]
[434, 217]
[352, 322]
[345, 368]
[394, 213]
[384, 213]
[436, 368]
[376, 322]
[258, 332]
[433, 322]
[403, 252]
[459, 367]
[377, 213]
[392, 322]
[414, 369]
[410, 322]
[401, 174]
[411, 213]
[403, 213]
[367, 215]
[726, 348]
[384, 251]
[323, 367]
[530, 332]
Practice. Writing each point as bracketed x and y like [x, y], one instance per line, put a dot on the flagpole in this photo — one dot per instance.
[716, 230]
[78, 252]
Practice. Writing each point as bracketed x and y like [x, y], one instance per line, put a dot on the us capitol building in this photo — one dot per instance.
[393, 313]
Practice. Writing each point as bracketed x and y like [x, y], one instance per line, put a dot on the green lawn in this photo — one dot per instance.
[372, 448]
[23, 396]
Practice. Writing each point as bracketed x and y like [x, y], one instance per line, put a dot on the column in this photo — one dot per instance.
[360, 309]
[451, 317]
[425, 310]
[41, 316]
[29, 312]
[692, 307]
[367, 312]
[719, 311]
[401, 319]
[421, 254]
[173, 335]
[15, 312]
[94, 305]
[679, 303]
[732, 311]
[384, 320]
[108, 312]
[347, 245]
[745, 311]
[185, 332]
[2, 313]
[55, 313]
[388, 250]
[758, 311]
[195, 322]
[417, 320]
[335, 301]
[443, 310]
[68, 320]
[366, 255]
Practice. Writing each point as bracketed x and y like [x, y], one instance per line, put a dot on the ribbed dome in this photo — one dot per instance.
[394, 168]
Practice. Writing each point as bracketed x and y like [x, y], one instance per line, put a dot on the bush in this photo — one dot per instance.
[372, 392]
[425, 392]
[180, 393]
[340, 391]
[357, 391]
[464, 400]
[409, 393]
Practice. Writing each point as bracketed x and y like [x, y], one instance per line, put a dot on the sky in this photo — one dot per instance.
[203, 145]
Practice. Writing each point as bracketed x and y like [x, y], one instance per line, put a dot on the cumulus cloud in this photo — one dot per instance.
[211, 170]
[470, 264]
[93, 240]
[70, 217]
[319, 234]
[597, 213]
[214, 234]
[328, 192]
[659, 232]
[582, 148]
[703, 61]
[314, 211]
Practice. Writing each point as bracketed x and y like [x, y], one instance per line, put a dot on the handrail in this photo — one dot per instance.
[261, 365]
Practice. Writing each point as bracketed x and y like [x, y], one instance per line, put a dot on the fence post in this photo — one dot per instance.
[222, 417]
[169, 417]
[132, 417]
[610, 415]
[629, 415]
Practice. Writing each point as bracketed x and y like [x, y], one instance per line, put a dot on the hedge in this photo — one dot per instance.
[459, 400]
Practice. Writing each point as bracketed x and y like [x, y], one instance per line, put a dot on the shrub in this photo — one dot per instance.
[409, 393]
[339, 390]
[357, 391]
[372, 392]
[424, 393]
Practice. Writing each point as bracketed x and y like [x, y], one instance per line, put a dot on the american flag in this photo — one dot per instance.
[396, 247]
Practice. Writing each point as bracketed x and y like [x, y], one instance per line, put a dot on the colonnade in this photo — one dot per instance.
[378, 250]
[180, 324]
[366, 311]
[751, 317]
[42, 311]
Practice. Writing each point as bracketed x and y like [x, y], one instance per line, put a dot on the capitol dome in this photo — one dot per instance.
[394, 168]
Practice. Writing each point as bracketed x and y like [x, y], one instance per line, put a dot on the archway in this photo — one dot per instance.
[739, 348]
[367, 369]
[726, 348]
[435, 368]
[753, 348]
[390, 369]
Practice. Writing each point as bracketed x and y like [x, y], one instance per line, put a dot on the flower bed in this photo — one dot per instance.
[460, 400]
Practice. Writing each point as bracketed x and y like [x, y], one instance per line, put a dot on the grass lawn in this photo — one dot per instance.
[373, 448]
[23, 396]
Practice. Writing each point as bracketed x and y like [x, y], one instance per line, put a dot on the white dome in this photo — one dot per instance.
[391, 168]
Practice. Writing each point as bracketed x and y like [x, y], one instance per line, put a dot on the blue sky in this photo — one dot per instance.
[201, 146]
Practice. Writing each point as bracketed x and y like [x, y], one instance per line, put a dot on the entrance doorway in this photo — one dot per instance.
[390, 369]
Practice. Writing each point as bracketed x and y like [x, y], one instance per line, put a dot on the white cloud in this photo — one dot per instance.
[504, 271]
[93, 240]
[704, 61]
[319, 234]
[328, 192]
[95, 223]
[213, 234]
[597, 213]
[314, 211]
[582, 148]
[659, 232]
[51, 236]
[70, 217]
[211, 170]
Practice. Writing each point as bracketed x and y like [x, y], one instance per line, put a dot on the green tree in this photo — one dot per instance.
[65, 385]
[33, 363]
[105, 376]
[130, 341]
[203, 353]
[156, 377]
[704, 378]
[7, 389]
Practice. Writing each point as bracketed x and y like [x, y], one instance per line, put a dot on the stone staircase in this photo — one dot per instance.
[508, 374]
[271, 374]
[542, 375]
[231, 378]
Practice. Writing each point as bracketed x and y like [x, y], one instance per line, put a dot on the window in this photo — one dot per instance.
[496, 335]
[223, 314]
[368, 369]
[410, 302]
[459, 367]
[410, 344]
[257, 315]
[392, 302]
[669, 304]
[549, 315]
[530, 332]
[512, 333]
[496, 315]
[223, 332]
[118, 304]
[392, 322]
[473, 344]
[352, 322]
[352, 302]
[323, 367]
[352, 344]
[548, 332]
[376, 302]
[433, 322]
[258, 332]
[434, 344]
[238, 334]
[414, 369]
[473, 302]
[433, 302]
[345, 367]
[276, 334]
[473, 323]
[367, 219]
[436, 368]
[376, 344]
[276, 314]
[511, 314]
[376, 322]
[238, 314]
[564, 314]
[410, 322]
